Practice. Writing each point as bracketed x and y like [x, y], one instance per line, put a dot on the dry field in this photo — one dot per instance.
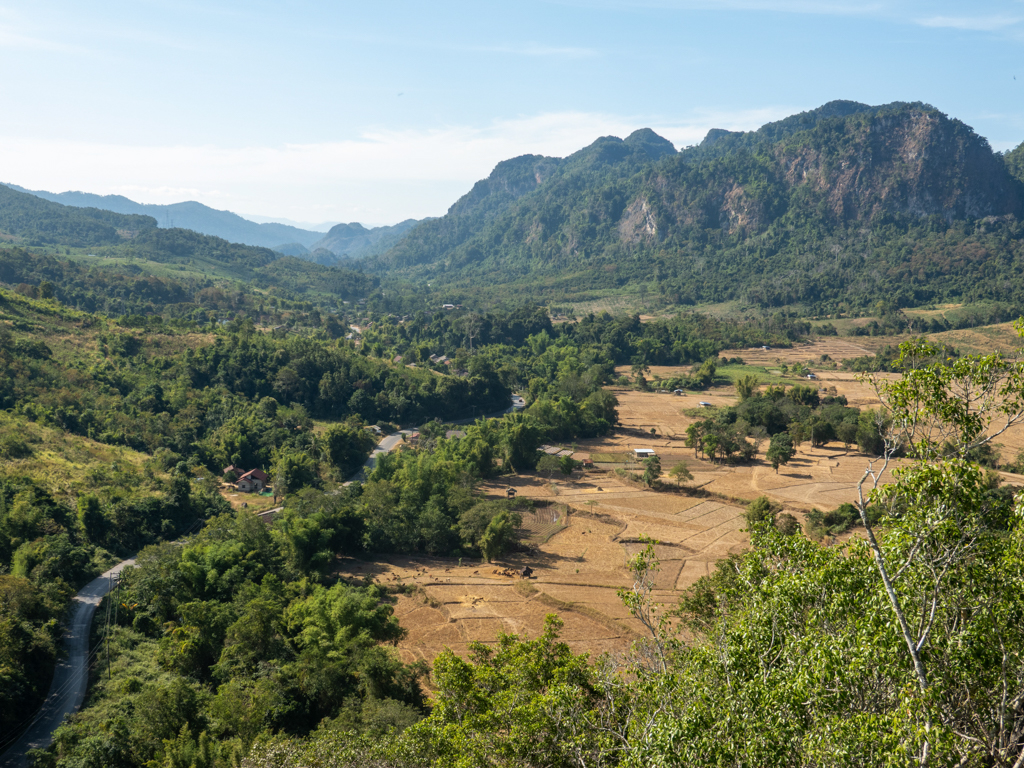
[835, 348]
[580, 561]
[253, 502]
[982, 341]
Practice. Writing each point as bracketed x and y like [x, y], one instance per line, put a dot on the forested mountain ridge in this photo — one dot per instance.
[187, 215]
[513, 179]
[100, 261]
[353, 239]
[846, 203]
[37, 222]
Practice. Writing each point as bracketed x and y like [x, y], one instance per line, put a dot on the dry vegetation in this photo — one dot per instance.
[581, 565]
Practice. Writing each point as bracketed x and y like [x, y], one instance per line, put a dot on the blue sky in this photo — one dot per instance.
[377, 112]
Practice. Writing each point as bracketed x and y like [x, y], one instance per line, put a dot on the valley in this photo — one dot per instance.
[210, 404]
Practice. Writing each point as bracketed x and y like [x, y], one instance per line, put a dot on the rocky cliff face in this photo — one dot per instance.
[909, 161]
[825, 171]
[915, 163]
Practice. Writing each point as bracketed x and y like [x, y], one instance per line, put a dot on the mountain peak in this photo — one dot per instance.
[646, 140]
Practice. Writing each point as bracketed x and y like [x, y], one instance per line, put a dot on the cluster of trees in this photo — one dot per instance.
[521, 337]
[243, 399]
[234, 634]
[903, 647]
[50, 546]
[786, 417]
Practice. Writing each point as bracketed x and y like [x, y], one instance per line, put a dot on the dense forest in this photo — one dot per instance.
[818, 210]
[239, 644]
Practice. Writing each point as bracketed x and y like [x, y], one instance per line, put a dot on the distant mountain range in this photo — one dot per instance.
[844, 203]
[356, 241]
[838, 207]
[350, 240]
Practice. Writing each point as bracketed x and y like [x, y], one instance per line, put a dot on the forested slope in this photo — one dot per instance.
[840, 206]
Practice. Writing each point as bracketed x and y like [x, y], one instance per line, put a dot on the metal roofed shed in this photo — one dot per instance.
[643, 453]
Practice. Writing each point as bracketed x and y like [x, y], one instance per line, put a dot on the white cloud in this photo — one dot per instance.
[972, 23]
[381, 175]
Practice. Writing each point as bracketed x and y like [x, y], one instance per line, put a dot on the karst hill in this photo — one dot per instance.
[844, 201]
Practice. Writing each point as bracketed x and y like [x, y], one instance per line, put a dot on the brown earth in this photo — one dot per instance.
[835, 348]
[580, 558]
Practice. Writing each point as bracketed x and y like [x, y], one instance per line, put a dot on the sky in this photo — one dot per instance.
[379, 112]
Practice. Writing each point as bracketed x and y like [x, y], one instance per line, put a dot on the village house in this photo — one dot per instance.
[252, 481]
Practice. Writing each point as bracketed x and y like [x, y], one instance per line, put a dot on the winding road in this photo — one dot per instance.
[70, 677]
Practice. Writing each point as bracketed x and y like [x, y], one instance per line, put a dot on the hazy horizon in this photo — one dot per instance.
[338, 112]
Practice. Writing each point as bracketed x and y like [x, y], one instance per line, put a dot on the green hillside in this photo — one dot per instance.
[833, 208]
[121, 264]
[30, 220]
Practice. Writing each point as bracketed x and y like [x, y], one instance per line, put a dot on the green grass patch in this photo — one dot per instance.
[611, 458]
[728, 374]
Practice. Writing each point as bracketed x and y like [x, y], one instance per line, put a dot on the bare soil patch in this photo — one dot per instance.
[834, 348]
[587, 527]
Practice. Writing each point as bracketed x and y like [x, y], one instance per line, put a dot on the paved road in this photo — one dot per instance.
[388, 443]
[70, 678]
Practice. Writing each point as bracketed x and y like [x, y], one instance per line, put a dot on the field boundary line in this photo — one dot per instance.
[594, 615]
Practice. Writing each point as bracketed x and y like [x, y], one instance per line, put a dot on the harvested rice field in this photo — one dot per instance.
[585, 528]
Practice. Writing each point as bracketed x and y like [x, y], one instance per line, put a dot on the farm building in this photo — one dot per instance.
[643, 453]
[253, 481]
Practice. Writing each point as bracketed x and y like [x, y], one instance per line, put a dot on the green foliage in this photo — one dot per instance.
[746, 386]
[519, 702]
[762, 510]
[348, 445]
[29, 634]
[681, 473]
[489, 526]
[227, 637]
[780, 450]
[294, 471]
[652, 471]
[838, 521]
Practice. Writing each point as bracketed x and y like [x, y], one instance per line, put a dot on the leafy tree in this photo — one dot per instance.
[746, 386]
[499, 535]
[567, 464]
[652, 470]
[519, 438]
[348, 445]
[294, 471]
[549, 464]
[681, 473]
[490, 527]
[761, 512]
[520, 702]
[780, 450]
